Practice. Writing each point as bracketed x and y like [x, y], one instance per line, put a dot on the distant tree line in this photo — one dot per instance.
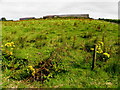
[4, 19]
[111, 20]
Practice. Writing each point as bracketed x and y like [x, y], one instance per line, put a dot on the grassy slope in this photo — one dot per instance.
[71, 37]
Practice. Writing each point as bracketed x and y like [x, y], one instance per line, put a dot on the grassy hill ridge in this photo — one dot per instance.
[56, 53]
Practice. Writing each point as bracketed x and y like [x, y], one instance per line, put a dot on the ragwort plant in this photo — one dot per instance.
[11, 63]
[43, 70]
[101, 55]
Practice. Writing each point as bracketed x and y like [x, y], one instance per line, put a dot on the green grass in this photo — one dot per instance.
[62, 48]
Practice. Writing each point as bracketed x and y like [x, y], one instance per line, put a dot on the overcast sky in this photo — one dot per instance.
[15, 9]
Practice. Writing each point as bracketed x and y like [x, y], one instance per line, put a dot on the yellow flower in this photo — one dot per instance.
[12, 43]
[8, 45]
[33, 73]
[106, 54]
[100, 43]
[100, 51]
[97, 51]
[11, 48]
[32, 69]
[97, 46]
[92, 49]
[10, 53]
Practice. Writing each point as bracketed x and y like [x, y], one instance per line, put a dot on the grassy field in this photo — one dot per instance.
[58, 53]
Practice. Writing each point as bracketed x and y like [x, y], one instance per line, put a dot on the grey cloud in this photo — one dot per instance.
[15, 10]
[29, 9]
[103, 8]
